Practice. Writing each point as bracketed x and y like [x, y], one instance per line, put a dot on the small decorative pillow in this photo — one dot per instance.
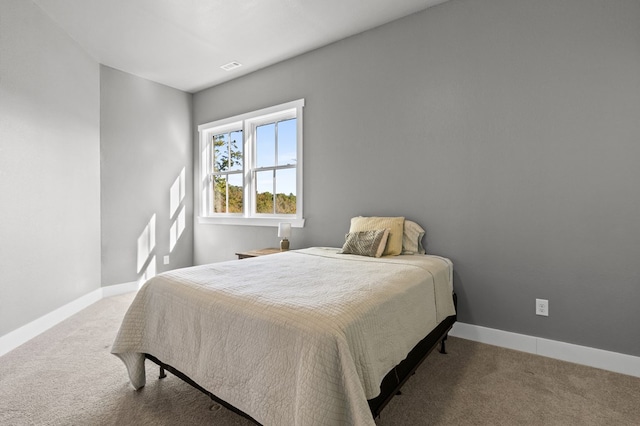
[412, 238]
[365, 243]
[394, 224]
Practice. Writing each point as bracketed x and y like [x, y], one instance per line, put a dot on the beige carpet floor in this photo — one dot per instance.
[66, 376]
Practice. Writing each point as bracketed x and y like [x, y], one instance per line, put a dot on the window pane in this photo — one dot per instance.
[286, 191]
[268, 176]
[266, 145]
[235, 193]
[264, 192]
[235, 150]
[287, 146]
[220, 152]
[219, 194]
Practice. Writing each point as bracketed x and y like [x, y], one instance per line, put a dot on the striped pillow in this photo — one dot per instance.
[394, 224]
[365, 243]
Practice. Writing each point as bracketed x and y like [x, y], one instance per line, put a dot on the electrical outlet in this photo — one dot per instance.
[542, 307]
[166, 260]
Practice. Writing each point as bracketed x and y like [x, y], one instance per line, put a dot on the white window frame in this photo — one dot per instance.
[247, 123]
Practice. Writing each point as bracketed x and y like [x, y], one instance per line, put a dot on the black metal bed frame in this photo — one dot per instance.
[389, 387]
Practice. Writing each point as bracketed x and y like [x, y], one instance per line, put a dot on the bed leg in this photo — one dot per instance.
[443, 349]
[162, 373]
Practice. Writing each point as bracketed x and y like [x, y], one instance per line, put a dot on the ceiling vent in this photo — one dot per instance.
[231, 65]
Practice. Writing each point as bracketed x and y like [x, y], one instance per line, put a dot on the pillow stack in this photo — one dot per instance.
[383, 236]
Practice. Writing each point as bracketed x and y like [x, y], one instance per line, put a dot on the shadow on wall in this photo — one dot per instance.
[146, 265]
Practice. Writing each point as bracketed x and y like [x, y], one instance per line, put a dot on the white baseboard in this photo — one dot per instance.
[15, 338]
[114, 290]
[598, 358]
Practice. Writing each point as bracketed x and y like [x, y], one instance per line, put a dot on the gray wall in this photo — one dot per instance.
[508, 129]
[49, 167]
[145, 145]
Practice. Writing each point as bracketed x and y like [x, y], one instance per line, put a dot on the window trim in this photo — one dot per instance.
[247, 122]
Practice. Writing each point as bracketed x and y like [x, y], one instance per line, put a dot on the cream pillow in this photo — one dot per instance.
[412, 238]
[394, 224]
[365, 243]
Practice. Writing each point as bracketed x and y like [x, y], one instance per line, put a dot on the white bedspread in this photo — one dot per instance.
[297, 338]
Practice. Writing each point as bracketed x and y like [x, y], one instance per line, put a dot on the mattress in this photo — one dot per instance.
[301, 337]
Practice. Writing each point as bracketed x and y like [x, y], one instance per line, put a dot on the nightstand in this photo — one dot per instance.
[256, 253]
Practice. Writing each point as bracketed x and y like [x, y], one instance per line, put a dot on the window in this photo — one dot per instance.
[251, 167]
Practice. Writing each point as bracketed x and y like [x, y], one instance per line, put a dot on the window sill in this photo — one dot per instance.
[250, 221]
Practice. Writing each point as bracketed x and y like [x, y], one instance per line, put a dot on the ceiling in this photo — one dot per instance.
[183, 43]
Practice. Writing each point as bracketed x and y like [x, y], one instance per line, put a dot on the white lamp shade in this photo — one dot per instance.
[284, 230]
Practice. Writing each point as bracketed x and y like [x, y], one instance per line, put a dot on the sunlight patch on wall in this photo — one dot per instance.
[149, 272]
[177, 228]
[146, 243]
[176, 198]
[176, 193]
[146, 246]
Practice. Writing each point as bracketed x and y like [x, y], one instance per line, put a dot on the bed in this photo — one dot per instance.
[304, 337]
